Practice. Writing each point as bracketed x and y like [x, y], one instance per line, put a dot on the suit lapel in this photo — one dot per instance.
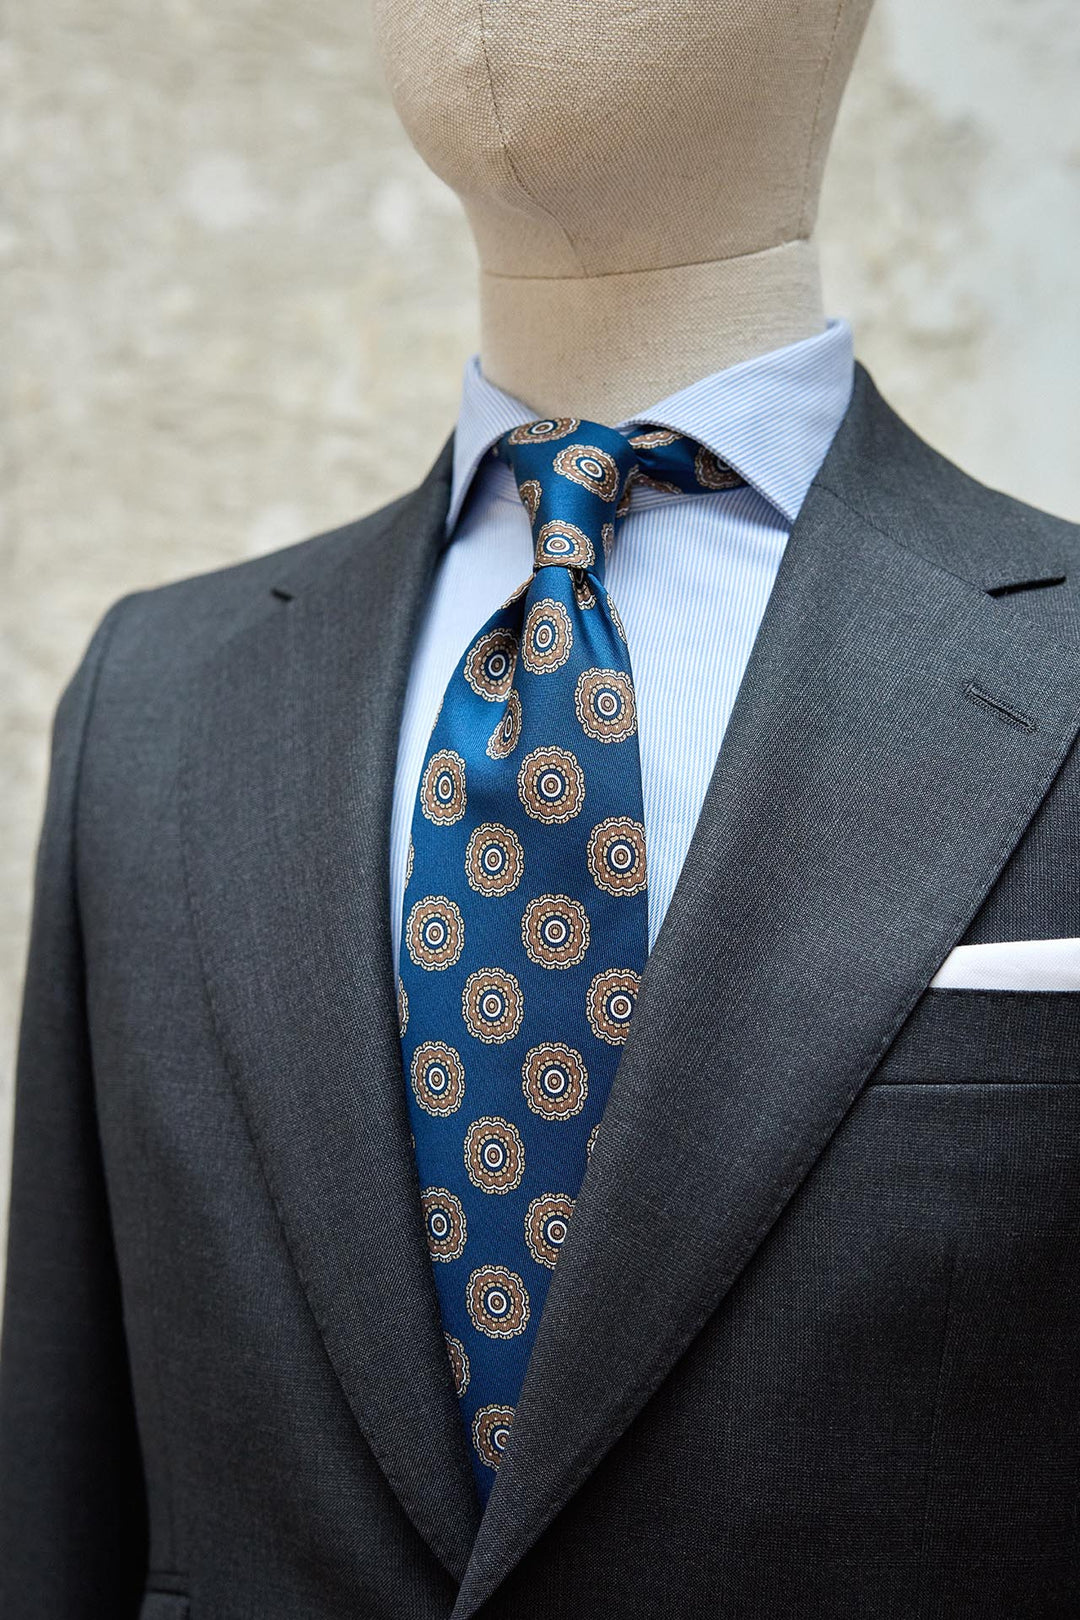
[861, 807]
[287, 789]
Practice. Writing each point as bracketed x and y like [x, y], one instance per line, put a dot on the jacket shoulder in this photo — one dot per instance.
[882, 468]
[152, 644]
[186, 620]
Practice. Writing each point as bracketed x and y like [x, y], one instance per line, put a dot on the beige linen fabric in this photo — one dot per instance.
[591, 139]
[641, 178]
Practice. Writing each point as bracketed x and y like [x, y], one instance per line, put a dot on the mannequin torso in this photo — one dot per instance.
[641, 182]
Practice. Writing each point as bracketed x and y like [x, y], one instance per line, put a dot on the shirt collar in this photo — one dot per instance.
[772, 418]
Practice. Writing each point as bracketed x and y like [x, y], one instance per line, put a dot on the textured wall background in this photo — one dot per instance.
[238, 304]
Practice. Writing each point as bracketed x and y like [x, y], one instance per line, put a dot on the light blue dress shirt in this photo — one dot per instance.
[690, 574]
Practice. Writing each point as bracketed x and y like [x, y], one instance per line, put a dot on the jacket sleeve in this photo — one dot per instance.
[72, 1512]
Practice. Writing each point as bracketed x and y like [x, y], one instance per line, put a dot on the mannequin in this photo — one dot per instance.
[642, 216]
[810, 1342]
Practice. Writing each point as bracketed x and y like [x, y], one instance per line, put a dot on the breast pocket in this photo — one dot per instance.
[987, 1037]
[968, 1135]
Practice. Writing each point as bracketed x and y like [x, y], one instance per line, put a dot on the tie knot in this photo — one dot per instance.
[574, 478]
[571, 475]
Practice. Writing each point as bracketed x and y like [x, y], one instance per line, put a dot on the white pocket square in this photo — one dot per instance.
[1011, 964]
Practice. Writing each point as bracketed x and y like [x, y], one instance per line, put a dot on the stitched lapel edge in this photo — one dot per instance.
[287, 787]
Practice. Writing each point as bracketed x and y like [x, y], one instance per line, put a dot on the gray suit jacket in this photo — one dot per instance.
[813, 1345]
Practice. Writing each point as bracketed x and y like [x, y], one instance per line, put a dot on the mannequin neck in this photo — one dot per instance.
[605, 346]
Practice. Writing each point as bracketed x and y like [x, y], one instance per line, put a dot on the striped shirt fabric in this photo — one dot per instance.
[689, 573]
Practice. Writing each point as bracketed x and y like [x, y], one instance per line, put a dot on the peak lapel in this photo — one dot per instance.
[287, 787]
[861, 807]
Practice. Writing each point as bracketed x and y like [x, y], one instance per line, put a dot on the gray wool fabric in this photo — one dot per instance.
[810, 1347]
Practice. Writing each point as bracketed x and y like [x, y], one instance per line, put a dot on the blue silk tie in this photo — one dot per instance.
[525, 914]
